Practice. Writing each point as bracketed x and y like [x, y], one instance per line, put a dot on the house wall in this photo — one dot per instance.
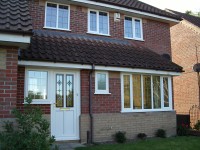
[156, 34]
[186, 91]
[108, 118]
[8, 82]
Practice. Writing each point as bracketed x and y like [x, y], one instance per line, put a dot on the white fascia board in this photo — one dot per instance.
[100, 68]
[15, 38]
[126, 10]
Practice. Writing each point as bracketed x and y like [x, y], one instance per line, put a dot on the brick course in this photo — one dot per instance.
[186, 91]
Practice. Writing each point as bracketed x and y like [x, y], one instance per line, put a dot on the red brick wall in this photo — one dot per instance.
[106, 103]
[186, 91]
[156, 34]
[20, 92]
[8, 82]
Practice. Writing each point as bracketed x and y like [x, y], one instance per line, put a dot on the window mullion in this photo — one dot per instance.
[152, 106]
[97, 21]
[57, 16]
[142, 92]
[131, 92]
[170, 91]
[133, 24]
[162, 92]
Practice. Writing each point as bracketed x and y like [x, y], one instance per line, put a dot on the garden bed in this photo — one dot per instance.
[194, 133]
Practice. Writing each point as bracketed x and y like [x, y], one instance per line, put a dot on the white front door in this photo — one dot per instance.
[65, 109]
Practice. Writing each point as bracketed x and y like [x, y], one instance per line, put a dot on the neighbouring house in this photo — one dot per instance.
[185, 39]
[94, 67]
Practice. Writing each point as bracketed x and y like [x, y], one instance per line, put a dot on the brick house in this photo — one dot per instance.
[94, 66]
[185, 39]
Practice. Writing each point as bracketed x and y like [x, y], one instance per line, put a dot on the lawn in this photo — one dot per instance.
[175, 143]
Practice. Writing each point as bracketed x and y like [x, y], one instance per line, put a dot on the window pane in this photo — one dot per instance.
[103, 23]
[156, 92]
[69, 91]
[127, 103]
[63, 17]
[51, 15]
[93, 21]
[137, 99]
[128, 27]
[37, 85]
[137, 28]
[59, 90]
[147, 92]
[101, 79]
[166, 92]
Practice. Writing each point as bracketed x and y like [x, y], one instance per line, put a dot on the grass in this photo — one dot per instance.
[175, 143]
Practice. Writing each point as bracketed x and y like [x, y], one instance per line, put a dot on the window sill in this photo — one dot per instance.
[36, 102]
[102, 93]
[142, 40]
[57, 29]
[145, 111]
[98, 34]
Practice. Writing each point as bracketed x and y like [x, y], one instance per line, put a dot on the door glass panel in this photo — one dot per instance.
[59, 90]
[156, 92]
[137, 99]
[147, 92]
[166, 92]
[69, 90]
[127, 103]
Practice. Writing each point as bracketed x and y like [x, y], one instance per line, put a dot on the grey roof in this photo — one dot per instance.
[140, 6]
[192, 19]
[15, 16]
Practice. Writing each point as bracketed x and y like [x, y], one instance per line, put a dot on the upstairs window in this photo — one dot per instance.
[98, 22]
[133, 28]
[57, 16]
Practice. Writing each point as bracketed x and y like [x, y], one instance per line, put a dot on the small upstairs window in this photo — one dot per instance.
[57, 16]
[133, 28]
[98, 22]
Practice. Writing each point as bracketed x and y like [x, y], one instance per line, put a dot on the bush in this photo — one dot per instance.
[197, 125]
[142, 136]
[31, 133]
[160, 133]
[120, 137]
[182, 130]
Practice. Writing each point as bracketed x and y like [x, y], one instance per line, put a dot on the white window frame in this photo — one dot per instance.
[124, 110]
[49, 84]
[97, 32]
[97, 91]
[133, 26]
[56, 28]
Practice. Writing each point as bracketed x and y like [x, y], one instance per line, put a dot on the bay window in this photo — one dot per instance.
[146, 93]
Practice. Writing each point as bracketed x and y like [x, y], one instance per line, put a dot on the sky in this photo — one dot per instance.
[178, 5]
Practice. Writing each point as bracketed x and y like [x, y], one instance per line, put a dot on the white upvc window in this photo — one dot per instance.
[143, 92]
[98, 22]
[133, 28]
[36, 86]
[57, 16]
[101, 82]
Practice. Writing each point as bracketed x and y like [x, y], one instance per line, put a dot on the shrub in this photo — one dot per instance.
[160, 133]
[142, 136]
[182, 130]
[197, 125]
[120, 137]
[31, 133]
